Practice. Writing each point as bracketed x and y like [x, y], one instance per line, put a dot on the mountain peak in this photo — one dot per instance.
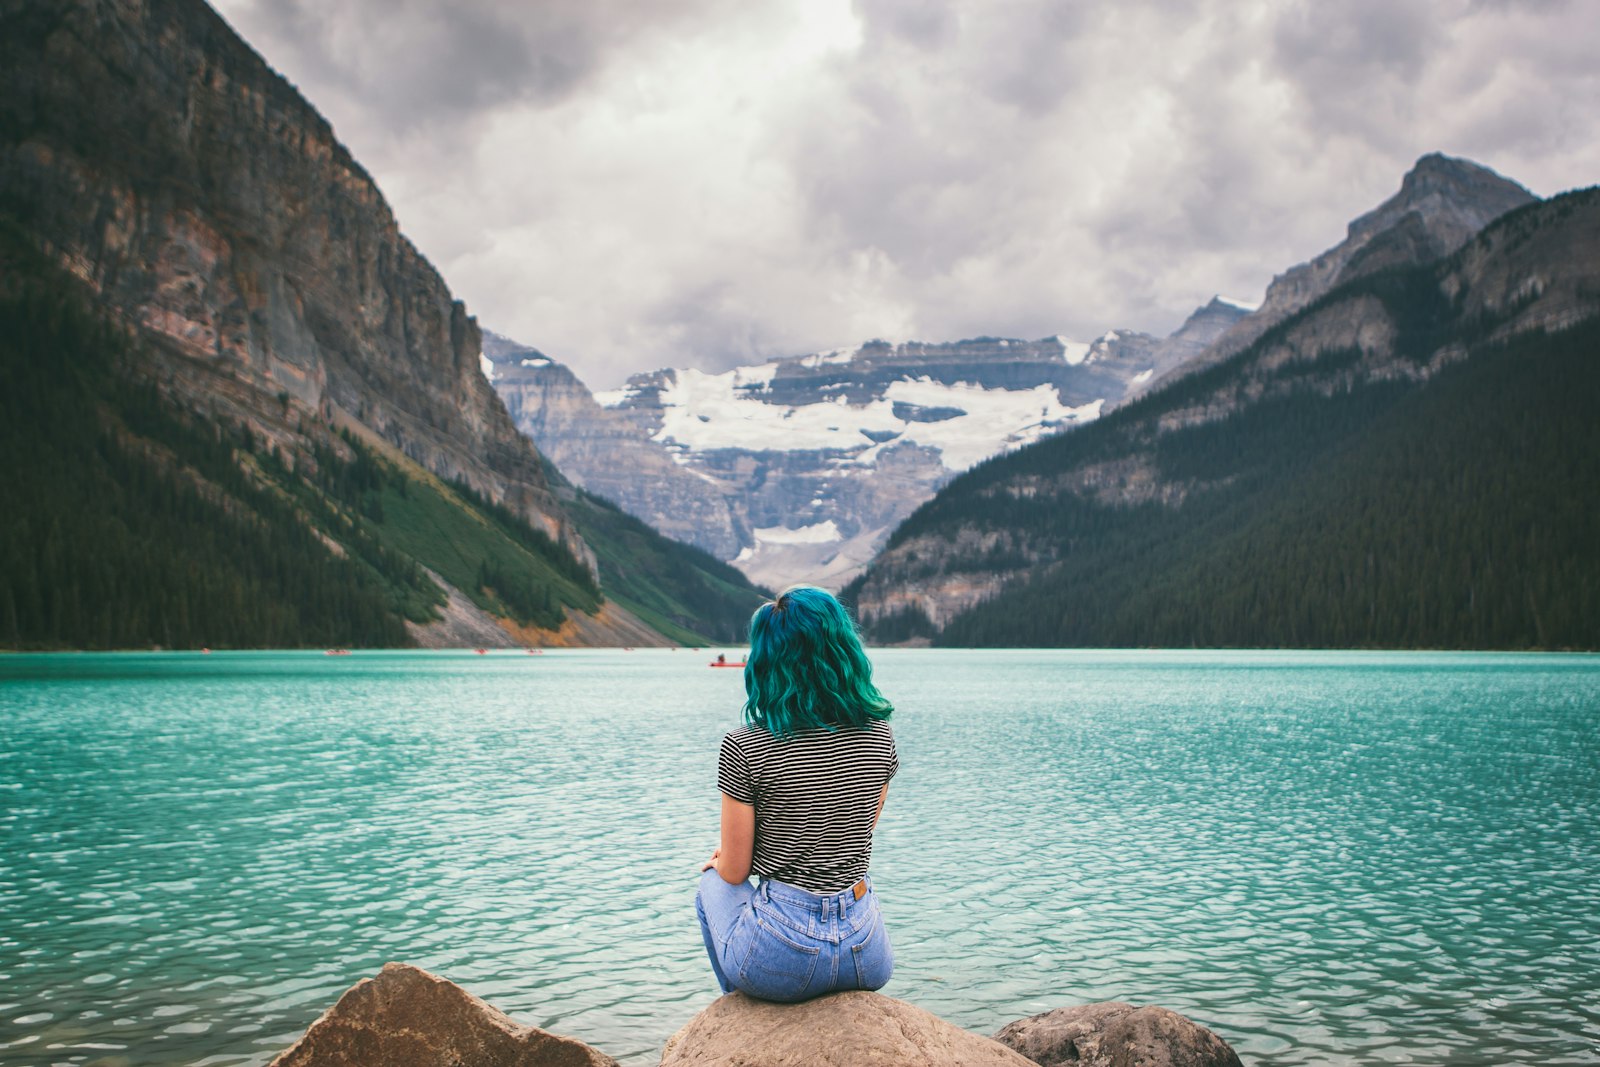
[1438, 167]
[1456, 196]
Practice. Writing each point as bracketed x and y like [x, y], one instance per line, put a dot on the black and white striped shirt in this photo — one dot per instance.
[815, 794]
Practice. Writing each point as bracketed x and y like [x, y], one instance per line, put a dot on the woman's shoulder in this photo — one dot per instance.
[748, 736]
[879, 729]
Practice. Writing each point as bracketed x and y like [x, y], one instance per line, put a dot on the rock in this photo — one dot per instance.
[407, 1016]
[1113, 1034]
[844, 1029]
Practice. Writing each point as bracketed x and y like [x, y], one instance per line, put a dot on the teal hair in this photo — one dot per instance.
[806, 668]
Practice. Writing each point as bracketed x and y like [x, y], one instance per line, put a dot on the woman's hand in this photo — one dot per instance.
[712, 862]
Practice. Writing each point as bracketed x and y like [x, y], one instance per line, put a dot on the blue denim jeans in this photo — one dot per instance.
[780, 942]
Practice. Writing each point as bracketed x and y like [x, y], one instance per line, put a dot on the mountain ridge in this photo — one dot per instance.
[1210, 482]
[1442, 202]
[796, 469]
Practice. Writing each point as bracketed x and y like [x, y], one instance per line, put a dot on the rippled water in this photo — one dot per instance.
[1329, 858]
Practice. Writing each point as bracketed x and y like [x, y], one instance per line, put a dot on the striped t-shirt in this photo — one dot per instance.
[815, 793]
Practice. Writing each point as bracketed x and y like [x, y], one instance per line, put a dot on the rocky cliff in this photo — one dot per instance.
[151, 152]
[606, 452]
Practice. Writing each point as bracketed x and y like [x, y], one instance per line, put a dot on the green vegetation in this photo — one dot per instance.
[127, 523]
[910, 623]
[1460, 515]
[689, 595]
[496, 559]
[123, 525]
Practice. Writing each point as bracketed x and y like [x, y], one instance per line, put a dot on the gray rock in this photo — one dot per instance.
[407, 1016]
[1113, 1034]
[842, 1030]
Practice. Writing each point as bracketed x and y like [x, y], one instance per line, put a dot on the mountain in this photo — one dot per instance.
[798, 468]
[1441, 204]
[605, 451]
[255, 349]
[1409, 460]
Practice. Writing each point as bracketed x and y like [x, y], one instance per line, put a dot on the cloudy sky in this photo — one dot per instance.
[632, 184]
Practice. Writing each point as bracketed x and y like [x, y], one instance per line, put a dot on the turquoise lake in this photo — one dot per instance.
[1329, 858]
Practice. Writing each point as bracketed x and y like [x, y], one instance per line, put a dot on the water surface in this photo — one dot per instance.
[1332, 858]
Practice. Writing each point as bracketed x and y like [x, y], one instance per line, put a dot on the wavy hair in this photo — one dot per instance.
[806, 669]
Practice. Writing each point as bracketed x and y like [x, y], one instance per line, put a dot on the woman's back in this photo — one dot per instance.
[802, 784]
[816, 795]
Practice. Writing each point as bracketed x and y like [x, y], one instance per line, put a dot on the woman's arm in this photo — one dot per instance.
[733, 858]
[883, 796]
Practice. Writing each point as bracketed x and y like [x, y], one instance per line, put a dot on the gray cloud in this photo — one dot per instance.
[419, 64]
[631, 185]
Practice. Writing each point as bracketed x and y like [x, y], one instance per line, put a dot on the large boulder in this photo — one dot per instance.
[841, 1030]
[406, 1016]
[1113, 1034]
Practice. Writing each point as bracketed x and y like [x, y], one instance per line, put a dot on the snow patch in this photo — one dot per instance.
[703, 412]
[759, 375]
[610, 398]
[1142, 377]
[486, 365]
[537, 361]
[1074, 352]
[835, 355]
[819, 533]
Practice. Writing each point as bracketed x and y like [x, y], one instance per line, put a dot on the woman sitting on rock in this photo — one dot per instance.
[802, 782]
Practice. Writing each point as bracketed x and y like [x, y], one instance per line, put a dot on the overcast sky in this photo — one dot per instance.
[633, 184]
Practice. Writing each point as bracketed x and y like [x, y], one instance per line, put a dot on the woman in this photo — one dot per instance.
[803, 783]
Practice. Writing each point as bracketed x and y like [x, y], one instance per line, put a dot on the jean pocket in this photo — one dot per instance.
[872, 956]
[778, 966]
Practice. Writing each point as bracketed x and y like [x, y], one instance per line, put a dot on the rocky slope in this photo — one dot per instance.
[1441, 204]
[797, 469]
[1401, 462]
[192, 195]
[605, 451]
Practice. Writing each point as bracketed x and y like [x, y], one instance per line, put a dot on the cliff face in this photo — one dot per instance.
[606, 452]
[151, 152]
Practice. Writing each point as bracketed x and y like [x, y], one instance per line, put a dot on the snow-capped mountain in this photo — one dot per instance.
[798, 468]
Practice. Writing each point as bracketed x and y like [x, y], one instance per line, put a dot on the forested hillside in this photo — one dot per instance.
[683, 591]
[1432, 489]
[127, 521]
